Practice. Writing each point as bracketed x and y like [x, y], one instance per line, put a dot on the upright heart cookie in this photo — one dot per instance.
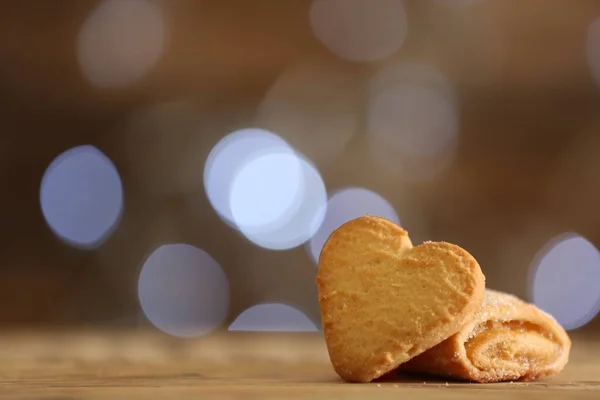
[384, 301]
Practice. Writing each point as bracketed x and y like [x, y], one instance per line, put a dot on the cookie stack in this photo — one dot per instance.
[387, 305]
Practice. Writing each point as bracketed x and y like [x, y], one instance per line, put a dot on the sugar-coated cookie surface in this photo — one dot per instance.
[508, 340]
[384, 301]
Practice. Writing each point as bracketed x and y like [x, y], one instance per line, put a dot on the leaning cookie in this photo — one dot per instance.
[509, 340]
[384, 301]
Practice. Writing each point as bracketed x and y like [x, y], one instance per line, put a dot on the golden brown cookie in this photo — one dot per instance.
[384, 301]
[509, 340]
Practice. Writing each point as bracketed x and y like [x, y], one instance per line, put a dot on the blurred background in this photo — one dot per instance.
[178, 164]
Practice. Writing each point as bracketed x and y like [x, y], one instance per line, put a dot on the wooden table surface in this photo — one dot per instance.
[140, 364]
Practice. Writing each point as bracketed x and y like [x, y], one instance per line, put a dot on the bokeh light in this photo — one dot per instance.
[412, 121]
[566, 280]
[278, 200]
[345, 205]
[121, 41]
[359, 30]
[261, 186]
[81, 196]
[228, 156]
[265, 190]
[316, 107]
[183, 291]
[273, 317]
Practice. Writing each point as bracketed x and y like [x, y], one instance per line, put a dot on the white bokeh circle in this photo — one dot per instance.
[273, 317]
[265, 190]
[81, 196]
[183, 291]
[257, 183]
[565, 280]
[278, 200]
[121, 41]
[359, 30]
[228, 156]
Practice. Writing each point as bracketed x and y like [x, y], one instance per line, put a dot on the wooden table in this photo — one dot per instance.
[140, 364]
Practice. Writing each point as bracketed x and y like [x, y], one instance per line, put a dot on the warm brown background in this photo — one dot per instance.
[526, 170]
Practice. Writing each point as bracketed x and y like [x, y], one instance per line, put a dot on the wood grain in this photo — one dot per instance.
[100, 364]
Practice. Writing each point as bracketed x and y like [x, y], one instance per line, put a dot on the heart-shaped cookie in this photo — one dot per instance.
[384, 301]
